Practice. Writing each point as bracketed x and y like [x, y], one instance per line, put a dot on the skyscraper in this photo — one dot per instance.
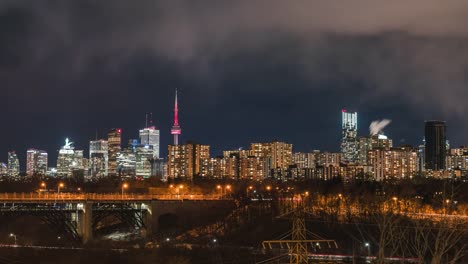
[114, 139]
[150, 137]
[435, 149]
[36, 162]
[13, 164]
[176, 131]
[143, 156]
[98, 158]
[3, 169]
[66, 159]
[349, 142]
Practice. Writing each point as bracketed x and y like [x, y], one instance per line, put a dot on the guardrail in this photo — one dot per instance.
[104, 197]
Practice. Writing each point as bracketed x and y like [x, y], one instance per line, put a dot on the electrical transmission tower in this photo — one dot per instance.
[298, 239]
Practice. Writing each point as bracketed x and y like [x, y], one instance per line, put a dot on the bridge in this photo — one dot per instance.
[78, 216]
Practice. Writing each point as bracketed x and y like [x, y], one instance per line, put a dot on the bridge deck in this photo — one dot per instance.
[100, 197]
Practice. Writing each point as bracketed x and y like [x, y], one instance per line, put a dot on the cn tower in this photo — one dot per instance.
[176, 128]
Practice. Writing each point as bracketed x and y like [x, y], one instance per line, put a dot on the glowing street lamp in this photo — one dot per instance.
[249, 189]
[268, 188]
[14, 236]
[59, 186]
[43, 185]
[367, 245]
[180, 187]
[124, 186]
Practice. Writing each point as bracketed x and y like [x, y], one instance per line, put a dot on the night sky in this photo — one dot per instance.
[246, 70]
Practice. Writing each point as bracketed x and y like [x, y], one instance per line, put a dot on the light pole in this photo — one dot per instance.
[124, 186]
[249, 189]
[14, 236]
[178, 190]
[367, 245]
[228, 188]
[60, 185]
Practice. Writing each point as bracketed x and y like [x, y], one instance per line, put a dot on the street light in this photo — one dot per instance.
[124, 186]
[178, 190]
[367, 245]
[60, 185]
[14, 236]
[268, 188]
[249, 189]
[43, 185]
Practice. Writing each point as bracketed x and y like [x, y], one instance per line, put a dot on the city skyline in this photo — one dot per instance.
[218, 152]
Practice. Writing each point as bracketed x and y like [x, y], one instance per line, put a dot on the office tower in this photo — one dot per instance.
[150, 136]
[98, 158]
[349, 143]
[435, 149]
[421, 158]
[36, 162]
[3, 169]
[176, 131]
[66, 159]
[126, 163]
[13, 164]
[158, 168]
[185, 161]
[144, 156]
[114, 140]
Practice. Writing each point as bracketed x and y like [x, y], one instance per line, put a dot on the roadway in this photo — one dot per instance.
[100, 197]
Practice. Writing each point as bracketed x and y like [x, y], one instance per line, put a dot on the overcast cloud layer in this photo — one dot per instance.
[406, 52]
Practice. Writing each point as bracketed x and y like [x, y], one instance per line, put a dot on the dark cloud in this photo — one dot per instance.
[367, 54]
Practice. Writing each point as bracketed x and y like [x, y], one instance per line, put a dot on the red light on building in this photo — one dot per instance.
[343, 110]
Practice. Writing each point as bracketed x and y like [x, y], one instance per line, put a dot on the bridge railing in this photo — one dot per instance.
[103, 196]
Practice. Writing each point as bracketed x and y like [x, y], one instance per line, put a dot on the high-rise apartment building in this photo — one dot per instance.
[372, 142]
[150, 136]
[13, 164]
[98, 158]
[305, 160]
[349, 142]
[280, 153]
[435, 147]
[457, 159]
[114, 141]
[36, 162]
[394, 163]
[185, 161]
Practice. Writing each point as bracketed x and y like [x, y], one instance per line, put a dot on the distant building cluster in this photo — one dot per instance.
[370, 157]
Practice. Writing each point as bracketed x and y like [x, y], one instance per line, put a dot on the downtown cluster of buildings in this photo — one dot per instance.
[371, 157]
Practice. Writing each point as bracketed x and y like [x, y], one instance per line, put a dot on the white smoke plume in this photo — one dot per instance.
[377, 126]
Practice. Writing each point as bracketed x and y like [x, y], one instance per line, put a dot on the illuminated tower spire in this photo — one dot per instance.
[176, 128]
